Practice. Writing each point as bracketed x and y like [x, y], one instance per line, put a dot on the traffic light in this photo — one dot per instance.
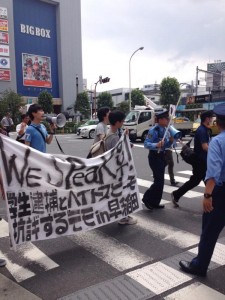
[106, 79]
[100, 79]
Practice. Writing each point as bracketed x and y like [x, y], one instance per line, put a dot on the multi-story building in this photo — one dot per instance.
[40, 49]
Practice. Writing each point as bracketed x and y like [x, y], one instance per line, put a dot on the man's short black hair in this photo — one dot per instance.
[33, 109]
[115, 116]
[206, 114]
[102, 112]
[23, 116]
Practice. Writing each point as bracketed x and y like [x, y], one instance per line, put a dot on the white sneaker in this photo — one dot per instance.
[2, 262]
[127, 221]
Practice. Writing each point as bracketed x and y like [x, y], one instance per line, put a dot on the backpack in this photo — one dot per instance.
[98, 148]
[188, 154]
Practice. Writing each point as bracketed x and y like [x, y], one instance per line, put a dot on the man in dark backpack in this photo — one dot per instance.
[201, 142]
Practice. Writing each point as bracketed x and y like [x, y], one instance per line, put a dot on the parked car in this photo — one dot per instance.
[213, 128]
[87, 130]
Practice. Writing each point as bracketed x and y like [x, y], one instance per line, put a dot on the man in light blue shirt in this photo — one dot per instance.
[157, 142]
[36, 135]
[213, 220]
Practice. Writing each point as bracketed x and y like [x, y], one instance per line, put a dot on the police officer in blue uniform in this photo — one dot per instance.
[213, 220]
[157, 162]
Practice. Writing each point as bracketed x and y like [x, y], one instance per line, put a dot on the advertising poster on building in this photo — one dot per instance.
[4, 62]
[3, 13]
[36, 70]
[5, 75]
[4, 25]
[4, 38]
[4, 50]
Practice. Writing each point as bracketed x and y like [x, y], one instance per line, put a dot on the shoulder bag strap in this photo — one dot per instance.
[40, 132]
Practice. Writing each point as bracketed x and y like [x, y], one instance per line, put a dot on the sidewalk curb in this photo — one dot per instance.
[9, 290]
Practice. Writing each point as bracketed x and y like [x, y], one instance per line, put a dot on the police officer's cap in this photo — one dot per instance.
[219, 110]
[162, 114]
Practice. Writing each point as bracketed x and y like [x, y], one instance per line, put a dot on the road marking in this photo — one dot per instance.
[168, 189]
[158, 277]
[165, 232]
[195, 291]
[182, 180]
[187, 172]
[32, 253]
[118, 255]
[161, 202]
[18, 272]
[4, 228]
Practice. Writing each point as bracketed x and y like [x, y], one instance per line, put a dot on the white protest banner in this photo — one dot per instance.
[48, 196]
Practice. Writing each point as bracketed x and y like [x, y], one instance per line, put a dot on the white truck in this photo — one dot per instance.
[139, 121]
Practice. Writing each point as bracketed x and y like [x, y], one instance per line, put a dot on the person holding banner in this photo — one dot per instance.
[158, 139]
[101, 129]
[36, 134]
[116, 119]
[2, 196]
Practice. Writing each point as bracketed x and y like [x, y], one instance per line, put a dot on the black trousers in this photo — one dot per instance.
[157, 163]
[212, 225]
[199, 172]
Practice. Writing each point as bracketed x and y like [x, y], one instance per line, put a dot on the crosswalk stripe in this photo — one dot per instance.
[195, 291]
[182, 179]
[187, 172]
[118, 255]
[18, 272]
[165, 232]
[32, 253]
[161, 202]
[168, 189]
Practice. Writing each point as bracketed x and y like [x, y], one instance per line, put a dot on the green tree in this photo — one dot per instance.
[123, 106]
[105, 100]
[137, 98]
[45, 101]
[170, 91]
[82, 104]
[11, 101]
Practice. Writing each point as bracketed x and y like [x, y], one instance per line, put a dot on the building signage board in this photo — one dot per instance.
[4, 25]
[3, 13]
[4, 62]
[4, 38]
[36, 70]
[5, 75]
[4, 50]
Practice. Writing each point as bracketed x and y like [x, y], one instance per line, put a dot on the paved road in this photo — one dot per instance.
[118, 262]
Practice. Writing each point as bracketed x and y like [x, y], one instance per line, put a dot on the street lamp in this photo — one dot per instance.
[76, 84]
[141, 48]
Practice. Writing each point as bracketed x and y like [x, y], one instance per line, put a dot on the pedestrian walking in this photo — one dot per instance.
[7, 122]
[116, 119]
[201, 142]
[170, 163]
[101, 129]
[213, 220]
[21, 128]
[36, 135]
[156, 157]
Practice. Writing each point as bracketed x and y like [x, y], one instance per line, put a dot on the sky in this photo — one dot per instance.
[177, 36]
